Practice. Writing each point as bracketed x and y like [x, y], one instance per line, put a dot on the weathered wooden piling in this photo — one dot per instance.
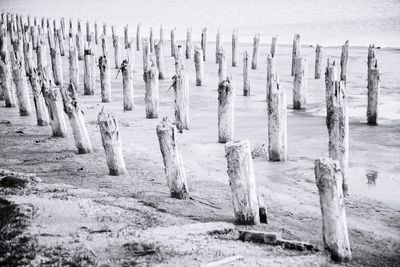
[138, 37]
[218, 46]
[41, 54]
[318, 61]
[111, 140]
[80, 45]
[88, 32]
[28, 52]
[60, 41]
[300, 83]
[73, 64]
[131, 55]
[271, 69]
[204, 42]
[162, 34]
[146, 54]
[62, 26]
[174, 171]
[334, 223]
[181, 87]
[373, 87]
[246, 70]
[105, 83]
[6, 73]
[274, 46]
[126, 36]
[256, 44]
[116, 51]
[89, 70]
[235, 48]
[295, 51]
[189, 45]
[199, 66]
[151, 41]
[179, 60]
[151, 94]
[105, 29]
[159, 48]
[222, 66]
[226, 111]
[42, 114]
[344, 61]
[277, 117]
[127, 85]
[104, 48]
[34, 36]
[242, 182]
[173, 42]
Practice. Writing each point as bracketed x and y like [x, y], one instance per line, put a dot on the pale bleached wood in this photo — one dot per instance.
[300, 83]
[274, 46]
[271, 69]
[173, 165]
[179, 60]
[173, 42]
[226, 111]
[6, 73]
[189, 45]
[318, 62]
[60, 41]
[344, 61]
[130, 55]
[256, 45]
[222, 66]
[296, 51]
[112, 145]
[146, 54]
[62, 26]
[218, 46]
[80, 45]
[199, 66]
[161, 35]
[76, 119]
[242, 182]
[89, 70]
[373, 87]
[235, 48]
[88, 31]
[56, 64]
[28, 52]
[246, 70]
[126, 36]
[127, 85]
[159, 48]
[138, 37]
[105, 82]
[73, 63]
[41, 54]
[151, 41]
[204, 42]
[334, 223]
[181, 87]
[96, 33]
[151, 93]
[116, 51]
[34, 36]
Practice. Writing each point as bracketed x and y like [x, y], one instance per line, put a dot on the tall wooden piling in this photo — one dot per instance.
[28, 52]
[60, 40]
[334, 223]
[242, 182]
[173, 165]
[226, 111]
[105, 29]
[80, 45]
[218, 46]
[151, 41]
[62, 26]
[179, 61]
[344, 61]
[6, 73]
[199, 66]
[246, 70]
[88, 32]
[127, 85]
[271, 69]
[89, 70]
[126, 36]
[295, 51]
[256, 45]
[274, 46]
[73, 64]
[151, 94]
[111, 140]
[173, 42]
[300, 83]
[159, 48]
[189, 45]
[146, 54]
[235, 48]
[204, 42]
[96, 33]
[138, 37]
[105, 83]
[373, 87]
[116, 51]
[277, 117]
[222, 66]
[42, 114]
[181, 87]
[318, 62]
[161, 34]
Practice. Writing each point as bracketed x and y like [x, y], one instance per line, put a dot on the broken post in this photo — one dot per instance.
[76, 119]
[242, 182]
[277, 113]
[111, 141]
[189, 45]
[300, 83]
[173, 165]
[127, 85]
[318, 61]
[235, 48]
[105, 83]
[256, 44]
[296, 51]
[73, 64]
[151, 94]
[181, 86]
[373, 87]
[334, 223]
[89, 70]
[344, 60]
[226, 111]
[159, 48]
[246, 70]
[274, 46]
[199, 65]
[204, 42]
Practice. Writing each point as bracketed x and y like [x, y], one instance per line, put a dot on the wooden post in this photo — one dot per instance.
[161, 35]
[189, 45]
[174, 171]
[204, 42]
[126, 37]
[256, 44]
[96, 33]
[88, 31]
[270, 70]
[242, 182]
[127, 85]
[146, 55]
[318, 61]
[373, 87]
[173, 42]
[222, 72]
[179, 62]
[226, 111]
[34, 36]
[80, 45]
[89, 70]
[62, 25]
[235, 48]
[116, 51]
[41, 56]
[277, 131]
[181, 87]
[151, 95]
[274, 46]
[19, 75]
[104, 49]
[300, 84]
[344, 60]
[131, 55]
[138, 36]
[334, 223]
[151, 41]
[218, 46]
[60, 41]
[246, 70]
[73, 64]
[296, 51]
[42, 115]
[28, 53]
[159, 48]
[337, 122]
[105, 28]
[5, 73]
[262, 208]
[76, 119]
[56, 62]
[111, 140]
[199, 65]
[105, 83]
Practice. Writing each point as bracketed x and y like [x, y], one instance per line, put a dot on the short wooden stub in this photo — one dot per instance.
[199, 66]
[226, 111]
[246, 70]
[318, 62]
[76, 119]
[127, 85]
[373, 87]
[105, 83]
[159, 48]
[334, 223]
[242, 182]
[181, 87]
[111, 141]
[235, 48]
[262, 209]
[300, 84]
[256, 44]
[295, 51]
[174, 171]
[344, 61]
[151, 94]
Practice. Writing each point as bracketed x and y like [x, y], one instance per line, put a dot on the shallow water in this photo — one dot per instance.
[328, 22]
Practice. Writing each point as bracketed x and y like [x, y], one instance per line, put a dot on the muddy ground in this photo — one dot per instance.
[81, 216]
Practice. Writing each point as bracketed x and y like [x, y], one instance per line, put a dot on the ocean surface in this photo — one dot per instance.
[327, 22]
